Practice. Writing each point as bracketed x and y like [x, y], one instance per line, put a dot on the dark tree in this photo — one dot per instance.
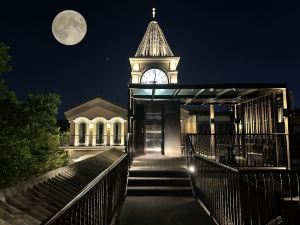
[29, 137]
[4, 58]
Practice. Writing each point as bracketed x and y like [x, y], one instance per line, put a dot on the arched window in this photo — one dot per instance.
[82, 133]
[117, 133]
[100, 133]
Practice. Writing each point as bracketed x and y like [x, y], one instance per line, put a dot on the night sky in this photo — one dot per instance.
[218, 42]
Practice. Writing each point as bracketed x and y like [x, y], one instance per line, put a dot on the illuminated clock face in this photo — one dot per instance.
[154, 76]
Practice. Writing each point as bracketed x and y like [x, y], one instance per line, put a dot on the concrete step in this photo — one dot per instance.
[3, 222]
[38, 206]
[159, 181]
[18, 216]
[34, 212]
[49, 206]
[63, 186]
[45, 198]
[55, 192]
[70, 182]
[159, 191]
[157, 173]
[31, 205]
[56, 198]
[5, 215]
[56, 189]
[74, 178]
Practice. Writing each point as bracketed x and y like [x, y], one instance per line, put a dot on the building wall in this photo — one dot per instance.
[171, 140]
[172, 137]
[92, 113]
[140, 65]
[91, 131]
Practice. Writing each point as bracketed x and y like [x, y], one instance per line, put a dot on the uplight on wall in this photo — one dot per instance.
[280, 115]
[136, 67]
[91, 126]
[108, 125]
[240, 127]
[172, 65]
[135, 79]
[174, 79]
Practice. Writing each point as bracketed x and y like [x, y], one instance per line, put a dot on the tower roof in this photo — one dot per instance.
[154, 42]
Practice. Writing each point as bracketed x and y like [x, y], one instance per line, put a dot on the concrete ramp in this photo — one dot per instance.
[159, 193]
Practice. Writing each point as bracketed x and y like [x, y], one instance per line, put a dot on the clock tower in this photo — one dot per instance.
[154, 61]
[154, 121]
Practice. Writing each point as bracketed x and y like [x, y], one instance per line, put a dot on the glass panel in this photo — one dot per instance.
[153, 133]
[164, 91]
[100, 134]
[82, 133]
[188, 91]
[117, 133]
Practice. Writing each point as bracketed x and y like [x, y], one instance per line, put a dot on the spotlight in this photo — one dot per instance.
[192, 169]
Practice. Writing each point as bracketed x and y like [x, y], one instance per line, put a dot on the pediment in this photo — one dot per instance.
[96, 108]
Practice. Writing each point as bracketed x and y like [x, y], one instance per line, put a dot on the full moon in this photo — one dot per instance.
[69, 27]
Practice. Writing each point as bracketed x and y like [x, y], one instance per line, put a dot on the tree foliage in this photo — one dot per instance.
[4, 58]
[29, 137]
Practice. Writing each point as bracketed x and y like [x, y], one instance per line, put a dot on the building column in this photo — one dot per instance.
[212, 130]
[122, 132]
[76, 137]
[94, 128]
[286, 126]
[104, 133]
[87, 134]
[110, 133]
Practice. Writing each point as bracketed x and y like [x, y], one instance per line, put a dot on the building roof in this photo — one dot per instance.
[154, 43]
[108, 107]
[204, 93]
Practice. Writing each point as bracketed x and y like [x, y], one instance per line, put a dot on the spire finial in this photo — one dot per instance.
[153, 12]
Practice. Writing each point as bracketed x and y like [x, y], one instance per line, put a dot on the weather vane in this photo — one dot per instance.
[153, 12]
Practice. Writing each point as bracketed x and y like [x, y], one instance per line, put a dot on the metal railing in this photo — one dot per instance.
[248, 150]
[97, 202]
[129, 148]
[245, 196]
[92, 140]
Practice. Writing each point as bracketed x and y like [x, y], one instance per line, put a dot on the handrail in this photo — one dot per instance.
[240, 134]
[244, 195]
[218, 164]
[84, 191]
[242, 150]
[128, 148]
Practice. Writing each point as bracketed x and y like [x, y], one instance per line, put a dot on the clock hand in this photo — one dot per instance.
[154, 76]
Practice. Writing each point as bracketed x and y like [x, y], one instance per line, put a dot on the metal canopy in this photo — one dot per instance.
[203, 93]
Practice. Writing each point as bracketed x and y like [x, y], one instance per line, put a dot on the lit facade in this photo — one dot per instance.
[97, 123]
[160, 111]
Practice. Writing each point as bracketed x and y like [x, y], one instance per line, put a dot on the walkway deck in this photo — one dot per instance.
[162, 210]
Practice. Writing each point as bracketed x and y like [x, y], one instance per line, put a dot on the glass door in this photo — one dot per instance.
[82, 133]
[100, 133]
[153, 133]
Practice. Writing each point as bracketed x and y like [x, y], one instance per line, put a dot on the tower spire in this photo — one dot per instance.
[153, 13]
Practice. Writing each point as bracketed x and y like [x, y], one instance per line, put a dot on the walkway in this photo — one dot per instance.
[163, 210]
[158, 209]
